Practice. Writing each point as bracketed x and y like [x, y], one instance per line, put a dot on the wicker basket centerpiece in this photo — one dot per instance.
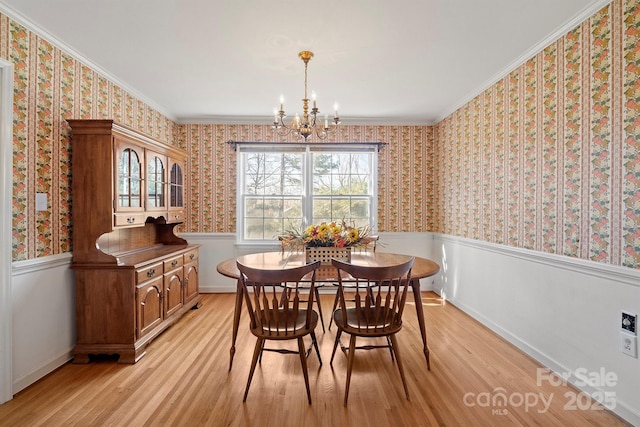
[326, 241]
[324, 254]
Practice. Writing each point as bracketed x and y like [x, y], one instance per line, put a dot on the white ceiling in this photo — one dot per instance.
[395, 62]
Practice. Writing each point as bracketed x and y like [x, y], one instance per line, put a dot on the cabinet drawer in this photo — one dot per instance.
[176, 216]
[129, 219]
[149, 272]
[173, 263]
[190, 256]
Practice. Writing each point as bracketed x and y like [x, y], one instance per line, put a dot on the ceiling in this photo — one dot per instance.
[228, 61]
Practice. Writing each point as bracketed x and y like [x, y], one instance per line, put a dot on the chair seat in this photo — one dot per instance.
[291, 329]
[372, 327]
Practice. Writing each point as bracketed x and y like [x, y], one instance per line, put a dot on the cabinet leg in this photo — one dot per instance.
[131, 357]
[80, 358]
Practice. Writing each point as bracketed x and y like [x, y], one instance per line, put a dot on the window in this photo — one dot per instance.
[291, 186]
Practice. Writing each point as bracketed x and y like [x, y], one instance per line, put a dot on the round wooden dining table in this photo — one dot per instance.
[422, 268]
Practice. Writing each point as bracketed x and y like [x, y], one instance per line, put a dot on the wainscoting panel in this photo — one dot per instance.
[563, 312]
[43, 299]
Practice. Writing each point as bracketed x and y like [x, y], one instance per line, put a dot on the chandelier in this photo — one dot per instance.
[308, 124]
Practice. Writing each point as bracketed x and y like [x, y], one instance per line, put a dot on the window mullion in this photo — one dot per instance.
[307, 197]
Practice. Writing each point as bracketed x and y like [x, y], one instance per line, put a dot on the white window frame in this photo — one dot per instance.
[307, 199]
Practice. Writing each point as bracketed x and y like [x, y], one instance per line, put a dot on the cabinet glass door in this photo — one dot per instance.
[129, 179]
[176, 186]
[156, 182]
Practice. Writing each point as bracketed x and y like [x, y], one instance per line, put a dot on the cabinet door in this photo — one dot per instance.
[129, 160]
[176, 191]
[156, 181]
[173, 291]
[149, 301]
[190, 280]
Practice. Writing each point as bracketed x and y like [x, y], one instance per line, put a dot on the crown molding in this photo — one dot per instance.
[268, 121]
[584, 14]
[41, 32]
[569, 25]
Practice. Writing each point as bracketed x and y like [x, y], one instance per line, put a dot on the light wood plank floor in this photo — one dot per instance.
[184, 380]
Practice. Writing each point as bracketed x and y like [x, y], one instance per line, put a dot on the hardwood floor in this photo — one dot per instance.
[184, 380]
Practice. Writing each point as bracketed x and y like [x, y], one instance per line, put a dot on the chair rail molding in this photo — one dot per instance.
[625, 275]
[44, 263]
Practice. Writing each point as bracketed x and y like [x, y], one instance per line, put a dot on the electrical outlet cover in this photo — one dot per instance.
[629, 322]
[41, 202]
[628, 344]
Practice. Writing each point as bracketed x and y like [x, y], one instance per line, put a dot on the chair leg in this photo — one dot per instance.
[352, 351]
[335, 345]
[262, 350]
[257, 351]
[315, 344]
[390, 348]
[335, 305]
[394, 342]
[319, 308]
[303, 361]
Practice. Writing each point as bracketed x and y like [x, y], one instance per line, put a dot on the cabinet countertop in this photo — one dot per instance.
[140, 258]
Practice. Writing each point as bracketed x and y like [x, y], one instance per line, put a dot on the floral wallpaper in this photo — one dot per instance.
[548, 158]
[49, 87]
[404, 168]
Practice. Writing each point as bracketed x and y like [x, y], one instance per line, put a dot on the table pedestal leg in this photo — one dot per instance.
[236, 321]
[417, 297]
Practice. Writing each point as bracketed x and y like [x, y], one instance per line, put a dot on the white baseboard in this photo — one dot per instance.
[622, 409]
[43, 370]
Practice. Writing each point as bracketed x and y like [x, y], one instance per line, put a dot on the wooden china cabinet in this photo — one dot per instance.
[134, 276]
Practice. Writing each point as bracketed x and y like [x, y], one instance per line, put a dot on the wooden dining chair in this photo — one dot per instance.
[372, 248]
[374, 311]
[277, 315]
